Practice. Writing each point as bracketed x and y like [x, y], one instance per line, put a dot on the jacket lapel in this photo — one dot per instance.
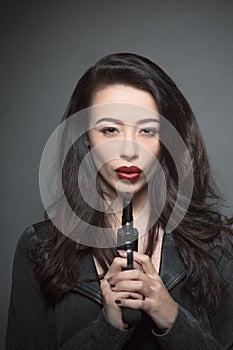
[172, 269]
[88, 283]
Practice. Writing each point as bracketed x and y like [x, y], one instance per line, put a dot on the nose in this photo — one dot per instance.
[128, 149]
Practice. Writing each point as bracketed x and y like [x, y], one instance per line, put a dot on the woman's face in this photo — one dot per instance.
[123, 138]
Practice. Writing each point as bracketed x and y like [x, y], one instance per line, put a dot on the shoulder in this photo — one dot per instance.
[34, 234]
[24, 278]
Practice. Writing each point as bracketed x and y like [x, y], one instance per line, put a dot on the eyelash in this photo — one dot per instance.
[151, 131]
[111, 131]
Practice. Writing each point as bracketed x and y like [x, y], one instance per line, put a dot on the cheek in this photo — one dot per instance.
[151, 150]
[155, 150]
[103, 152]
[151, 158]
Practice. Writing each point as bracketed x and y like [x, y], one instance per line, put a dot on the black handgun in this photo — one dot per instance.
[127, 239]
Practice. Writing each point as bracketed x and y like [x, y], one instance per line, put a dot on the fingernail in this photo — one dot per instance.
[122, 252]
[140, 267]
[112, 285]
[117, 301]
[109, 279]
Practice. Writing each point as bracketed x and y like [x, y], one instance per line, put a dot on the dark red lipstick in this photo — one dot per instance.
[128, 173]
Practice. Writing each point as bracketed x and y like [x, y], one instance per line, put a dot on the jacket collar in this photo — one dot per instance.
[172, 269]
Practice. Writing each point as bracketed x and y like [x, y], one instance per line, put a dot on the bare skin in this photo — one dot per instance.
[145, 287]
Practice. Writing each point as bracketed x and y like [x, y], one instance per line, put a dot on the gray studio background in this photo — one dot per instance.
[45, 49]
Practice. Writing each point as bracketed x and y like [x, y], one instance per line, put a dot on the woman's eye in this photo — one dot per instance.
[109, 131]
[150, 131]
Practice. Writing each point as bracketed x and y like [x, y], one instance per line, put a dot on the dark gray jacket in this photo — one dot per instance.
[78, 321]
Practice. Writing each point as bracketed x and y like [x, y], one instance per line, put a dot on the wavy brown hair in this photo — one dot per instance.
[58, 257]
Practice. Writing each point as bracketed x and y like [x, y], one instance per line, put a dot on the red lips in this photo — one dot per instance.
[128, 173]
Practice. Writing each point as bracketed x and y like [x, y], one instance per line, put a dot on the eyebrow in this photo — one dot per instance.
[117, 121]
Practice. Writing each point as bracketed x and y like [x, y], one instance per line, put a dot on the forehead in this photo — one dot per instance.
[121, 113]
[119, 93]
[124, 103]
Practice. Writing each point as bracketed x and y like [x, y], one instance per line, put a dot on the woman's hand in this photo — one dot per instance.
[146, 287]
[110, 295]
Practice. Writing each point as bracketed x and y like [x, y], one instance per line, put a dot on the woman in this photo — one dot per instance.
[69, 293]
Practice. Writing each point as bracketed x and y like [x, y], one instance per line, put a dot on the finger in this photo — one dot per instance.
[131, 286]
[111, 294]
[139, 304]
[118, 264]
[128, 275]
[127, 295]
[123, 253]
[144, 260]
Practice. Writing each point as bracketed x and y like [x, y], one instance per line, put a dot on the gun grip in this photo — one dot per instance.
[130, 316]
[129, 259]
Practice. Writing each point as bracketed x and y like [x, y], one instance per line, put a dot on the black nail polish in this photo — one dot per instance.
[117, 301]
[112, 285]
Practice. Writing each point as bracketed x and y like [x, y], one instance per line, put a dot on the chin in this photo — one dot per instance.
[128, 186]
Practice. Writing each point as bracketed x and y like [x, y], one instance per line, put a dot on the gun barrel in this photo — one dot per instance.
[127, 215]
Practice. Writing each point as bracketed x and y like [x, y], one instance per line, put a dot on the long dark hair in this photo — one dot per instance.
[202, 222]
